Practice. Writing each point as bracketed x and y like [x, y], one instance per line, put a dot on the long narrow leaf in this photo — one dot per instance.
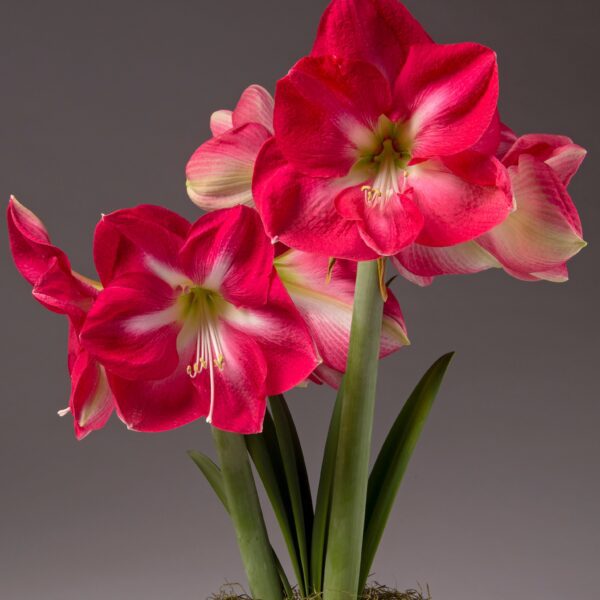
[393, 459]
[297, 480]
[264, 451]
[323, 505]
[213, 475]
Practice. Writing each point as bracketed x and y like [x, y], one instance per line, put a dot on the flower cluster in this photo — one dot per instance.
[381, 143]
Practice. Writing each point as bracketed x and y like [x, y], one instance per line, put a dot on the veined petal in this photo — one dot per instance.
[282, 336]
[544, 231]
[507, 139]
[386, 225]
[221, 121]
[219, 174]
[326, 306]
[460, 197]
[133, 326]
[300, 210]
[420, 264]
[125, 240]
[449, 94]
[92, 401]
[376, 31]
[324, 107]
[160, 404]
[255, 106]
[228, 251]
[239, 387]
[558, 151]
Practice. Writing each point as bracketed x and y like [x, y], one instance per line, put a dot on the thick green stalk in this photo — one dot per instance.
[342, 565]
[246, 514]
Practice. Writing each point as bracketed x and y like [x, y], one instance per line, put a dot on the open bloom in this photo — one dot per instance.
[62, 290]
[539, 236]
[219, 173]
[193, 320]
[378, 140]
[325, 300]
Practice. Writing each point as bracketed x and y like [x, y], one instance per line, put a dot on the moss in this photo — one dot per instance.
[234, 591]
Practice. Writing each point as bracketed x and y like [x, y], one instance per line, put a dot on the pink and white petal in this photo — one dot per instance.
[228, 251]
[129, 239]
[460, 197]
[376, 31]
[221, 121]
[557, 151]
[544, 231]
[325, 107]
[325, 374]
[300, 211]
[160, 404]
[219, 173]
[239, 400]
[133, 326]
[282, 337]
[385, 225]
[92, 401]
[420, 263]
[558, 274]
[255, 106]
[449, 95]
[326, 306]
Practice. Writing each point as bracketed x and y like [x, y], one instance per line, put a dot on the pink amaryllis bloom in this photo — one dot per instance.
[219, 173]
[382, 139]
[62, 290]
[193, 320]
[324, 298]
[539, 236]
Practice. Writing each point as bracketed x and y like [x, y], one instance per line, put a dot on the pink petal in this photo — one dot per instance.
[282, 337]
[544, 231]
[221, 121]
[133, 326]
[255, 106]
[239, 387]
[460, 197]
[558, 151]
[386, 226]
[376, 31]
[229, 252]
[324, 107]
[507, 138]
[420, 264]
[219, 174]
[125, 239]
[449, 94]
[300, 210]
[326, 306]
[92, 402]
[159, 405]
[488, 143]
[47, 267]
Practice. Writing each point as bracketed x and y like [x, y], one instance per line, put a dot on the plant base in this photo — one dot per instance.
[375, 591]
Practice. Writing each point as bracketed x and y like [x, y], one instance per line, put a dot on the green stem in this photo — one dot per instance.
[342, 565]
[246, 514]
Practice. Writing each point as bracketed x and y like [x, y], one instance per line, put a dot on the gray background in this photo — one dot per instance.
[101, 104]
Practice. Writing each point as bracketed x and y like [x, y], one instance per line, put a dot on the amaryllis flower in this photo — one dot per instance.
[324, 298]
[541, 234]
[62, 290]
[219, 174]
[193, 320]
[378, 140]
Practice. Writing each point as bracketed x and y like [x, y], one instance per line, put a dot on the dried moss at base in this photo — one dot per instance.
[375, 591]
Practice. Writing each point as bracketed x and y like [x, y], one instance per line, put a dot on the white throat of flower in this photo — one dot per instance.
[201, 310]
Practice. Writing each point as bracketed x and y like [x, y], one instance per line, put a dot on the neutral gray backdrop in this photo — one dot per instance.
[101, 104]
